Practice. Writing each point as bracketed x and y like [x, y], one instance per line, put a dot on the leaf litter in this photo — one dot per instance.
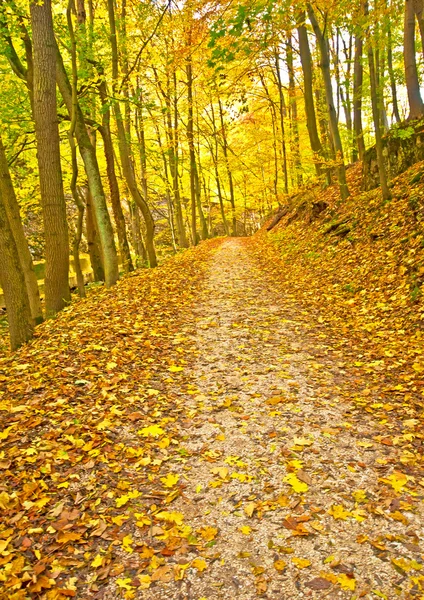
[192, 434]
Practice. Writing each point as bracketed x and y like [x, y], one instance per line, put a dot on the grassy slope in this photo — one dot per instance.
[363, 277]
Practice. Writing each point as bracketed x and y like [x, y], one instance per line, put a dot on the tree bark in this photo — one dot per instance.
[308, 94]
[13, 283]
[416, 105]
[12, 209]
[293, 112]
[124, 150]
[334, 128]
[88, 155]
[392, 76]
[56, 283]
[358, 76]
[227, 164]
[376, 113]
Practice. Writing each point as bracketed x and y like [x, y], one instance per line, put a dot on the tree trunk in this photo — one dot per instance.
[419, 13]
[56, 283]
[92, 239]
[12, 209]
[227, 164]
[416, 105]
[115, 196]
[13, 283]
[334, 128]
[88, 155]
[376, 113]
[293, 112]
[311, 121]
[392, 75]
[124, 149]
[358, 76]
[215, 158]
[282, 109]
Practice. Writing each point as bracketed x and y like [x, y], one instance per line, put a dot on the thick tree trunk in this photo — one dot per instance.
[311, 120]
[416, 105]
[326, 74]
[13, 283]
[56, 283]
[419, 13]
[88, 155]
[12, 209]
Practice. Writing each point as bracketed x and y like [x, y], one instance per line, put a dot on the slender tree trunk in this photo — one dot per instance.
[7, 192]
[358, 76]
[88, 155]
[392, 75]
[376, 113]
[274, 133]
[124, 149]
[311, 120]
[56, 283]
[326, 73]
[13, 283]
[92, 239]
[115, 195]
[416, 105]
[282, 110]
[215, 158]
[227, 164]
[293, 112]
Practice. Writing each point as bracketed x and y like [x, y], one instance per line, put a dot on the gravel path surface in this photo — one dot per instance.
[284, 474]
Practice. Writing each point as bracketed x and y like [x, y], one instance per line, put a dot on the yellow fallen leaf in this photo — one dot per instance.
[151, 431]
[397, 480]
[124, 584]
[120, 519]
[302, 441]
[299, 486]
[208, 533]
[249, 508]
[245, 529]
[337, 511]
[280, 565]
[97, 561]
[175, 369]
[172, 517]
[301, 563]
[346, 583]
[170, 480]
[200, 564]
[127, 543]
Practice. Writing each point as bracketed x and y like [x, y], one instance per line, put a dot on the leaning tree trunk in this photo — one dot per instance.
[13, 283]
[56, 283]
[416, 105]
[12, 209]
[88, 155]
[334, 127]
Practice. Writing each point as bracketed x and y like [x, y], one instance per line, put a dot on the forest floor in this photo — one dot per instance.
[198, 432]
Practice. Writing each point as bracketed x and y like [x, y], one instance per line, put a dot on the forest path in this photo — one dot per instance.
[198, 432]
[282, 469]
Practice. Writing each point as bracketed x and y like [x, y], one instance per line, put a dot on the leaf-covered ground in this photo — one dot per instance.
[203, 431]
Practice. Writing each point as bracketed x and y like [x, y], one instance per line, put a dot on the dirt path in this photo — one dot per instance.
[281, 468]
[210, 442]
